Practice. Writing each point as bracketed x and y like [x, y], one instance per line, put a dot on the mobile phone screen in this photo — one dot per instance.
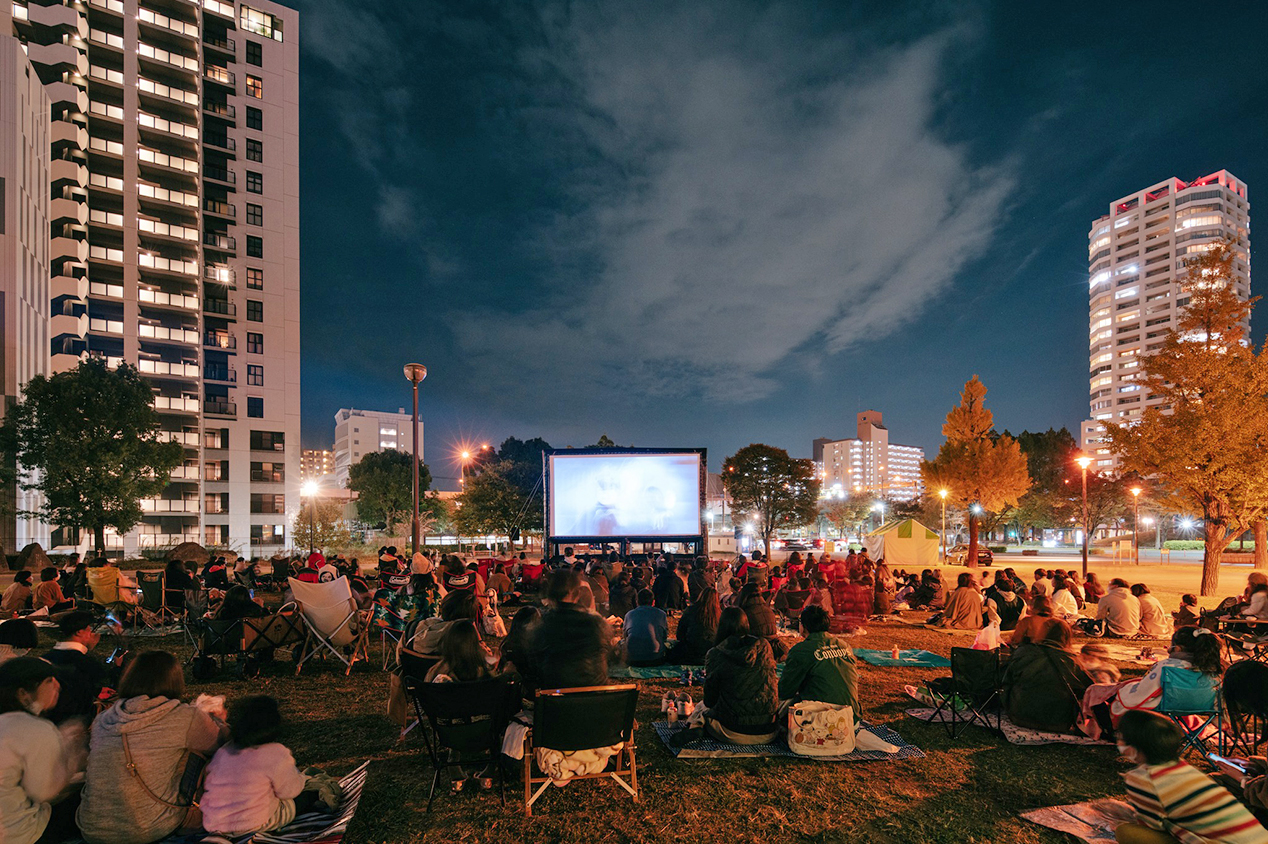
[1239, 764]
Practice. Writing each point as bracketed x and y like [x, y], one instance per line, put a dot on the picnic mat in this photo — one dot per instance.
[1131, 653]
[915, 658]
[708, 748]
[1013, 733]
[1093, 821]
[919, 621]
[665, 672]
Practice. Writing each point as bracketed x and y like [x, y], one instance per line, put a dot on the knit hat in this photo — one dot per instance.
[421, 564]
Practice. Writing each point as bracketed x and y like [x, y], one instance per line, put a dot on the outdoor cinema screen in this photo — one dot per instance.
[625, 494]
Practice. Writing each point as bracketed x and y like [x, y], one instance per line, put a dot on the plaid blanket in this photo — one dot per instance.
[1015, 734]
[913, 658]
[708, 748]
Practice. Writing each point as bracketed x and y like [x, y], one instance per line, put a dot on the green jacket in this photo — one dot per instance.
[821, 667]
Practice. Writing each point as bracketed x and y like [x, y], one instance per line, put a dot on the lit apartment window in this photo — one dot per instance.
[255, 214]
[255, 182]
[255, 53]
[255, 118]
[255, 343]
[255, 375]
[255, 310]
[255, 407]
[255, 87]
[255, 246]
[260, 23]
[268, 441]
[255, 150]
[255, 278]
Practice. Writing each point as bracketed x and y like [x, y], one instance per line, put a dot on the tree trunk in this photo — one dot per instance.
[767, 544]
[99, 539]
[1214, 540]
[1260, 528]
[970, 558]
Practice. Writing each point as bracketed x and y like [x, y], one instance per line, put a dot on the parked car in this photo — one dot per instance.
[958, 555]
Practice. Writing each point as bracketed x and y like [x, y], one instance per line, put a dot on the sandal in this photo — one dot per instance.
[456, 786]
[485, 783]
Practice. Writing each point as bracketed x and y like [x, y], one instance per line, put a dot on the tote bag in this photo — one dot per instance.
[816, 728]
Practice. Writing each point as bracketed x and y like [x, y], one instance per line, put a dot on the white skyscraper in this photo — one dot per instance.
[359, 432]
[870, 464]
[1136, 266]
[174, 238]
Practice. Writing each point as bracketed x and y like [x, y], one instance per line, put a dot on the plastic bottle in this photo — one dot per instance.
[896, 654]
[673, 714]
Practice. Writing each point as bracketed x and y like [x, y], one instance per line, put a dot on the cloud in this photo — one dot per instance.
[783, 196]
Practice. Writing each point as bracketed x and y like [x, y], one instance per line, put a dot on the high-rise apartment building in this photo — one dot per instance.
[315, 463]
[175, 238]
[1136, 274]
[869, 464]
[359, 432]
[24, 245]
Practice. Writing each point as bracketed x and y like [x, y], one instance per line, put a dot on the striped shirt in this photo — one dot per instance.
[1187, 804]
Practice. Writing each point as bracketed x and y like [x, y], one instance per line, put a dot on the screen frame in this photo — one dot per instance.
[549, 499]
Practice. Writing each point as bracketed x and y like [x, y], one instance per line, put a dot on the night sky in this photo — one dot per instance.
[714, 223]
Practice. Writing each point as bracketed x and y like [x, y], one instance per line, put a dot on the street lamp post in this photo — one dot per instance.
[1084, 462]
[942, 493]
[415, 373]
[309, 491]
[1136, 491]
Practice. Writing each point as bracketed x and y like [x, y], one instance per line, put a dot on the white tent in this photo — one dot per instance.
[903, 544]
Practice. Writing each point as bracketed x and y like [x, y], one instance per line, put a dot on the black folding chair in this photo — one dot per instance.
[582, 719]
[1245, 691]
[974, 694]
[414, 668]
[466, 719]
[152, 610]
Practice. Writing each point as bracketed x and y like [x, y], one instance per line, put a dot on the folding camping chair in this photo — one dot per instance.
[281, 573]
[414, 668]
[976, 683]
[468, 719]
[1246, 704]
[246, 640]
[581, 719]
[333, 622]
[1192, 698]
[151, 609]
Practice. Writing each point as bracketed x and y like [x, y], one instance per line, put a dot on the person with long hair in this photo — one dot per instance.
[1064, 605]
[697, 629]
[1034, 627]
[741, 692]
[1044, 683]
[463, 656]
[886, 589]
[1093, 591]
[1154, 622]
[149, 733]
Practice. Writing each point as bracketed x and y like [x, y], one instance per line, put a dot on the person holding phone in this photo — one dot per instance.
[1251, 774]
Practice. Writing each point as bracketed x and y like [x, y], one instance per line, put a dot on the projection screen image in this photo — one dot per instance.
[625, 494]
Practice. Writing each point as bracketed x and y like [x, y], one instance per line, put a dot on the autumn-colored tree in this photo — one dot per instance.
[979, 470]
[1208, 439]
[771, 488]
[845, 514]
[320, 525]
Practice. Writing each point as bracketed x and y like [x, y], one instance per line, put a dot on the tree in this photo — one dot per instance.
[604, 442]
[775, 490]
[845, 514]
[384, 483]
[320, 525]
[982, 473]
[522, 465]
[1208, 439]
[1108, 499]
[490, 504]
[88, 440]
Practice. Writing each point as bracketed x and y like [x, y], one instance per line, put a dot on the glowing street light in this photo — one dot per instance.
[1136, 491]
[1084, 461]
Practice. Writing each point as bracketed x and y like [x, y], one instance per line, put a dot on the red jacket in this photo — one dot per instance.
[851, 603]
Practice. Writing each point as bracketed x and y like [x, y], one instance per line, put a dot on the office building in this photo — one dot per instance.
[175, 238]
[1136, 275]
[316, 463]
[869, 464]
[359, 432]
[24, 245]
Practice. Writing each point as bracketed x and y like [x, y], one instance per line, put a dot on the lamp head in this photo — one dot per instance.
[1083, 461]
[943, 493]
[1136, 491]
[309, 489]
[415, 372]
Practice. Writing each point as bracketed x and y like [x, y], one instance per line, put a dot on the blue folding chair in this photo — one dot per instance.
[1188, 694]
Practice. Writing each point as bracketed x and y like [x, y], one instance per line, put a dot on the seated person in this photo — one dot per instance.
[963, 610]
[513, 656]
[1153, 618]
[1256, 600]
[646, 629]
[1064, 605]
[886, 589]
[790, 599]
[740, 690]
[820, 666]
[18, 596]
[1008, 606]
[1044, 684]
[570, 647]
[761, 618]
[500, 582]
[429, 632]
[1120, 610]
[852, 601]
[697, 629]
[1093, 591]
[215, 575]
[1034, 627]
[931, 594]
[1095, 660]
[18, 637]
[464, 658]
[37, 759]
[109, 585]
[48, 593]
[176, 581]
[1188, 614]
[239, 604]
[622, 596]
[81, 676]
[1173, 800]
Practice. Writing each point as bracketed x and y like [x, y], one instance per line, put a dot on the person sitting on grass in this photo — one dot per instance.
[790, 599]
[963, 609]
[1173, 800]
[697, 629]
[1093, 591]
[622, 597]
[1064, 605]
[1188, 614]
[253, 784]
[1094, 658]
[81, 676]
[1120, 610]
[820, 666]
[852, 600]
[18, 637]
[1153, 618]
[740, 689]
[1034, 627]
[18, 595]
[646, 629]
[1044, 683]
[1008, 606]
[761, 618]
[931, 594]
[513, 655]
[570, 647]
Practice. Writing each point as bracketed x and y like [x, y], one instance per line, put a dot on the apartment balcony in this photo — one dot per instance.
[106, 326]
[170, 505]
[96, 108]
[66, 95]
[185, 199]
[220, 209]
[168, 230]
[68, 211]
[68, 324]
[161, 21]
[185, 473]
[62, 170]
[114, 149]
[224, 110]
[220, 307]
[70, 285]
[212, 407]
[219, 174]
[220, 274]
[221, 142]
[115, 6]
[176, 404]
[167, 127]
[167, 58]
[222, 75]
[162, 333]
[223, 374]
[167, 92]
[101, 290]
[178, 266]
[110, 76]
[160, 299]
[189, 439]
[60, 17]
[220, 340]
[166, 368]
[105, 39]
[64, 132]
[103, 182]
[224, 45]
[69, 247]
[220, 241]
[61, 57]
[105, 218]
[223, 9]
